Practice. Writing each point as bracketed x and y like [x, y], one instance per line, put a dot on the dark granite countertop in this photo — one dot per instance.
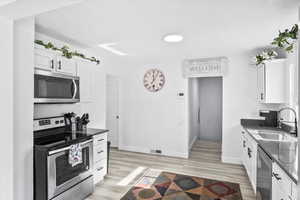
[284, 153]
[93, 131]
[59, 138]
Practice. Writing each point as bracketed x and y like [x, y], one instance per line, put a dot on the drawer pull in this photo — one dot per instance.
[100, 140]
[276, 176]
[100, 152]
[99, 169]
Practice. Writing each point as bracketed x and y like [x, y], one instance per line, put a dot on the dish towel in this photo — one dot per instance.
[75, 155]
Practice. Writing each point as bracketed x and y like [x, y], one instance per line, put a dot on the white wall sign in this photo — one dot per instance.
[205, 67]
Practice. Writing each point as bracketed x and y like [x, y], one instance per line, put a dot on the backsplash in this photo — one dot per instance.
[50, 110]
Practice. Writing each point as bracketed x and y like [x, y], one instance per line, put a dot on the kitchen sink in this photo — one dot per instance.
[275, 136]
[271, 136]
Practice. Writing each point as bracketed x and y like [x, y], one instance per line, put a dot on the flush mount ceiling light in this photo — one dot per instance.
[173, 38]
[109, 47]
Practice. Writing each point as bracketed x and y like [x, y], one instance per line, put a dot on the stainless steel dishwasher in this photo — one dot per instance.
[264, 176]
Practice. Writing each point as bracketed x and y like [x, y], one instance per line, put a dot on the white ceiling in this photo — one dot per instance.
[18, 9]
[137, 26]
[4, 2]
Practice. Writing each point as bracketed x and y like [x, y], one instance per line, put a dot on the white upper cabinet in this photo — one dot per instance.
[44, 59]
[51, 61]
[86, 72]
[66, 66]
[272, 81]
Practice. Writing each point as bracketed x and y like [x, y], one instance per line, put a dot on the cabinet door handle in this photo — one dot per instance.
[100, 140]
[52, 64]
[59, 64]
[249, 152]
[276, 176]
[99, 169]
[262, 96]
[100, 152]
[244, 143]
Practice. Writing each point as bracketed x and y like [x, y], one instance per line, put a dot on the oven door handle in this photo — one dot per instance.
[75, 89]
[68, 148]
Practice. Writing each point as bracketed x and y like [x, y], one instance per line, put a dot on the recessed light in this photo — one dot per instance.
[173, 38]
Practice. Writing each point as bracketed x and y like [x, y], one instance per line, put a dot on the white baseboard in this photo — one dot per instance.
[147, 151]
[193, 142]
[231, 160]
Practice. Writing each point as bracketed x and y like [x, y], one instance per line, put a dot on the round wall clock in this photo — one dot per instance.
[154, 80]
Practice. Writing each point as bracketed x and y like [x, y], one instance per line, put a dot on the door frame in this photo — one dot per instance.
[187, 106]
[203, 68]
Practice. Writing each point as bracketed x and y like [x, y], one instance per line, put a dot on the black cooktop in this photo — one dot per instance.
[58, 138]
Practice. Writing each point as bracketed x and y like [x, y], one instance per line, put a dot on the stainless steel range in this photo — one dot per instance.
[55, 178]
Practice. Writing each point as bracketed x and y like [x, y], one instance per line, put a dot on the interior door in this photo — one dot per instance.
[112, 105]
[210, 99]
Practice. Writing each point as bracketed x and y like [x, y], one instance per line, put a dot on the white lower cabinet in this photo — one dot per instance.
[294, 194]
[100, 157]
[249, 146]
[282, 185]
[100, 169]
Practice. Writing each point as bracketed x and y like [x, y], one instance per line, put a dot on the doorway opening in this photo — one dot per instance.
[205, 108]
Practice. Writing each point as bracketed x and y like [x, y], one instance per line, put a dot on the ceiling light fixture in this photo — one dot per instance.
[173, 38]
[108, 47]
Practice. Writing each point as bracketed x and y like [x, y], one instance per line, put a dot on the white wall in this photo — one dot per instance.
[6, 107]
[160, 121]
[193, 106]
[23, 108]
[152, 120]
[239, 101]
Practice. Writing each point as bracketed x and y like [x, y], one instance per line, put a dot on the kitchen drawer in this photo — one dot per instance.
[283, 180]
[100, 169]
[100, 153]
[100, 139]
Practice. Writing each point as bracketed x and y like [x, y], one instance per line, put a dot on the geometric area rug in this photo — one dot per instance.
[171, 186]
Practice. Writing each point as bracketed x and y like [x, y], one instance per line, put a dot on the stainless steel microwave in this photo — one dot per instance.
[50, 87]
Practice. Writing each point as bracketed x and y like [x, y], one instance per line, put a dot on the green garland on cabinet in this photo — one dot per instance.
[286, 40]
[65, 50]
[264, 56]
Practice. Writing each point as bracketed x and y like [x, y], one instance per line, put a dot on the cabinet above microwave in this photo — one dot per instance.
[50, 61]
[50, 87]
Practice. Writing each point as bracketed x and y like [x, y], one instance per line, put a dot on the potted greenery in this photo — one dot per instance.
[286, 40]
[264, 56]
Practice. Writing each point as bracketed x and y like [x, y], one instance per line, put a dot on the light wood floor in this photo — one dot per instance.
[204, 162]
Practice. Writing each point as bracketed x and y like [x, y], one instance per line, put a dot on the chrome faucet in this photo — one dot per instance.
[295, 121]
